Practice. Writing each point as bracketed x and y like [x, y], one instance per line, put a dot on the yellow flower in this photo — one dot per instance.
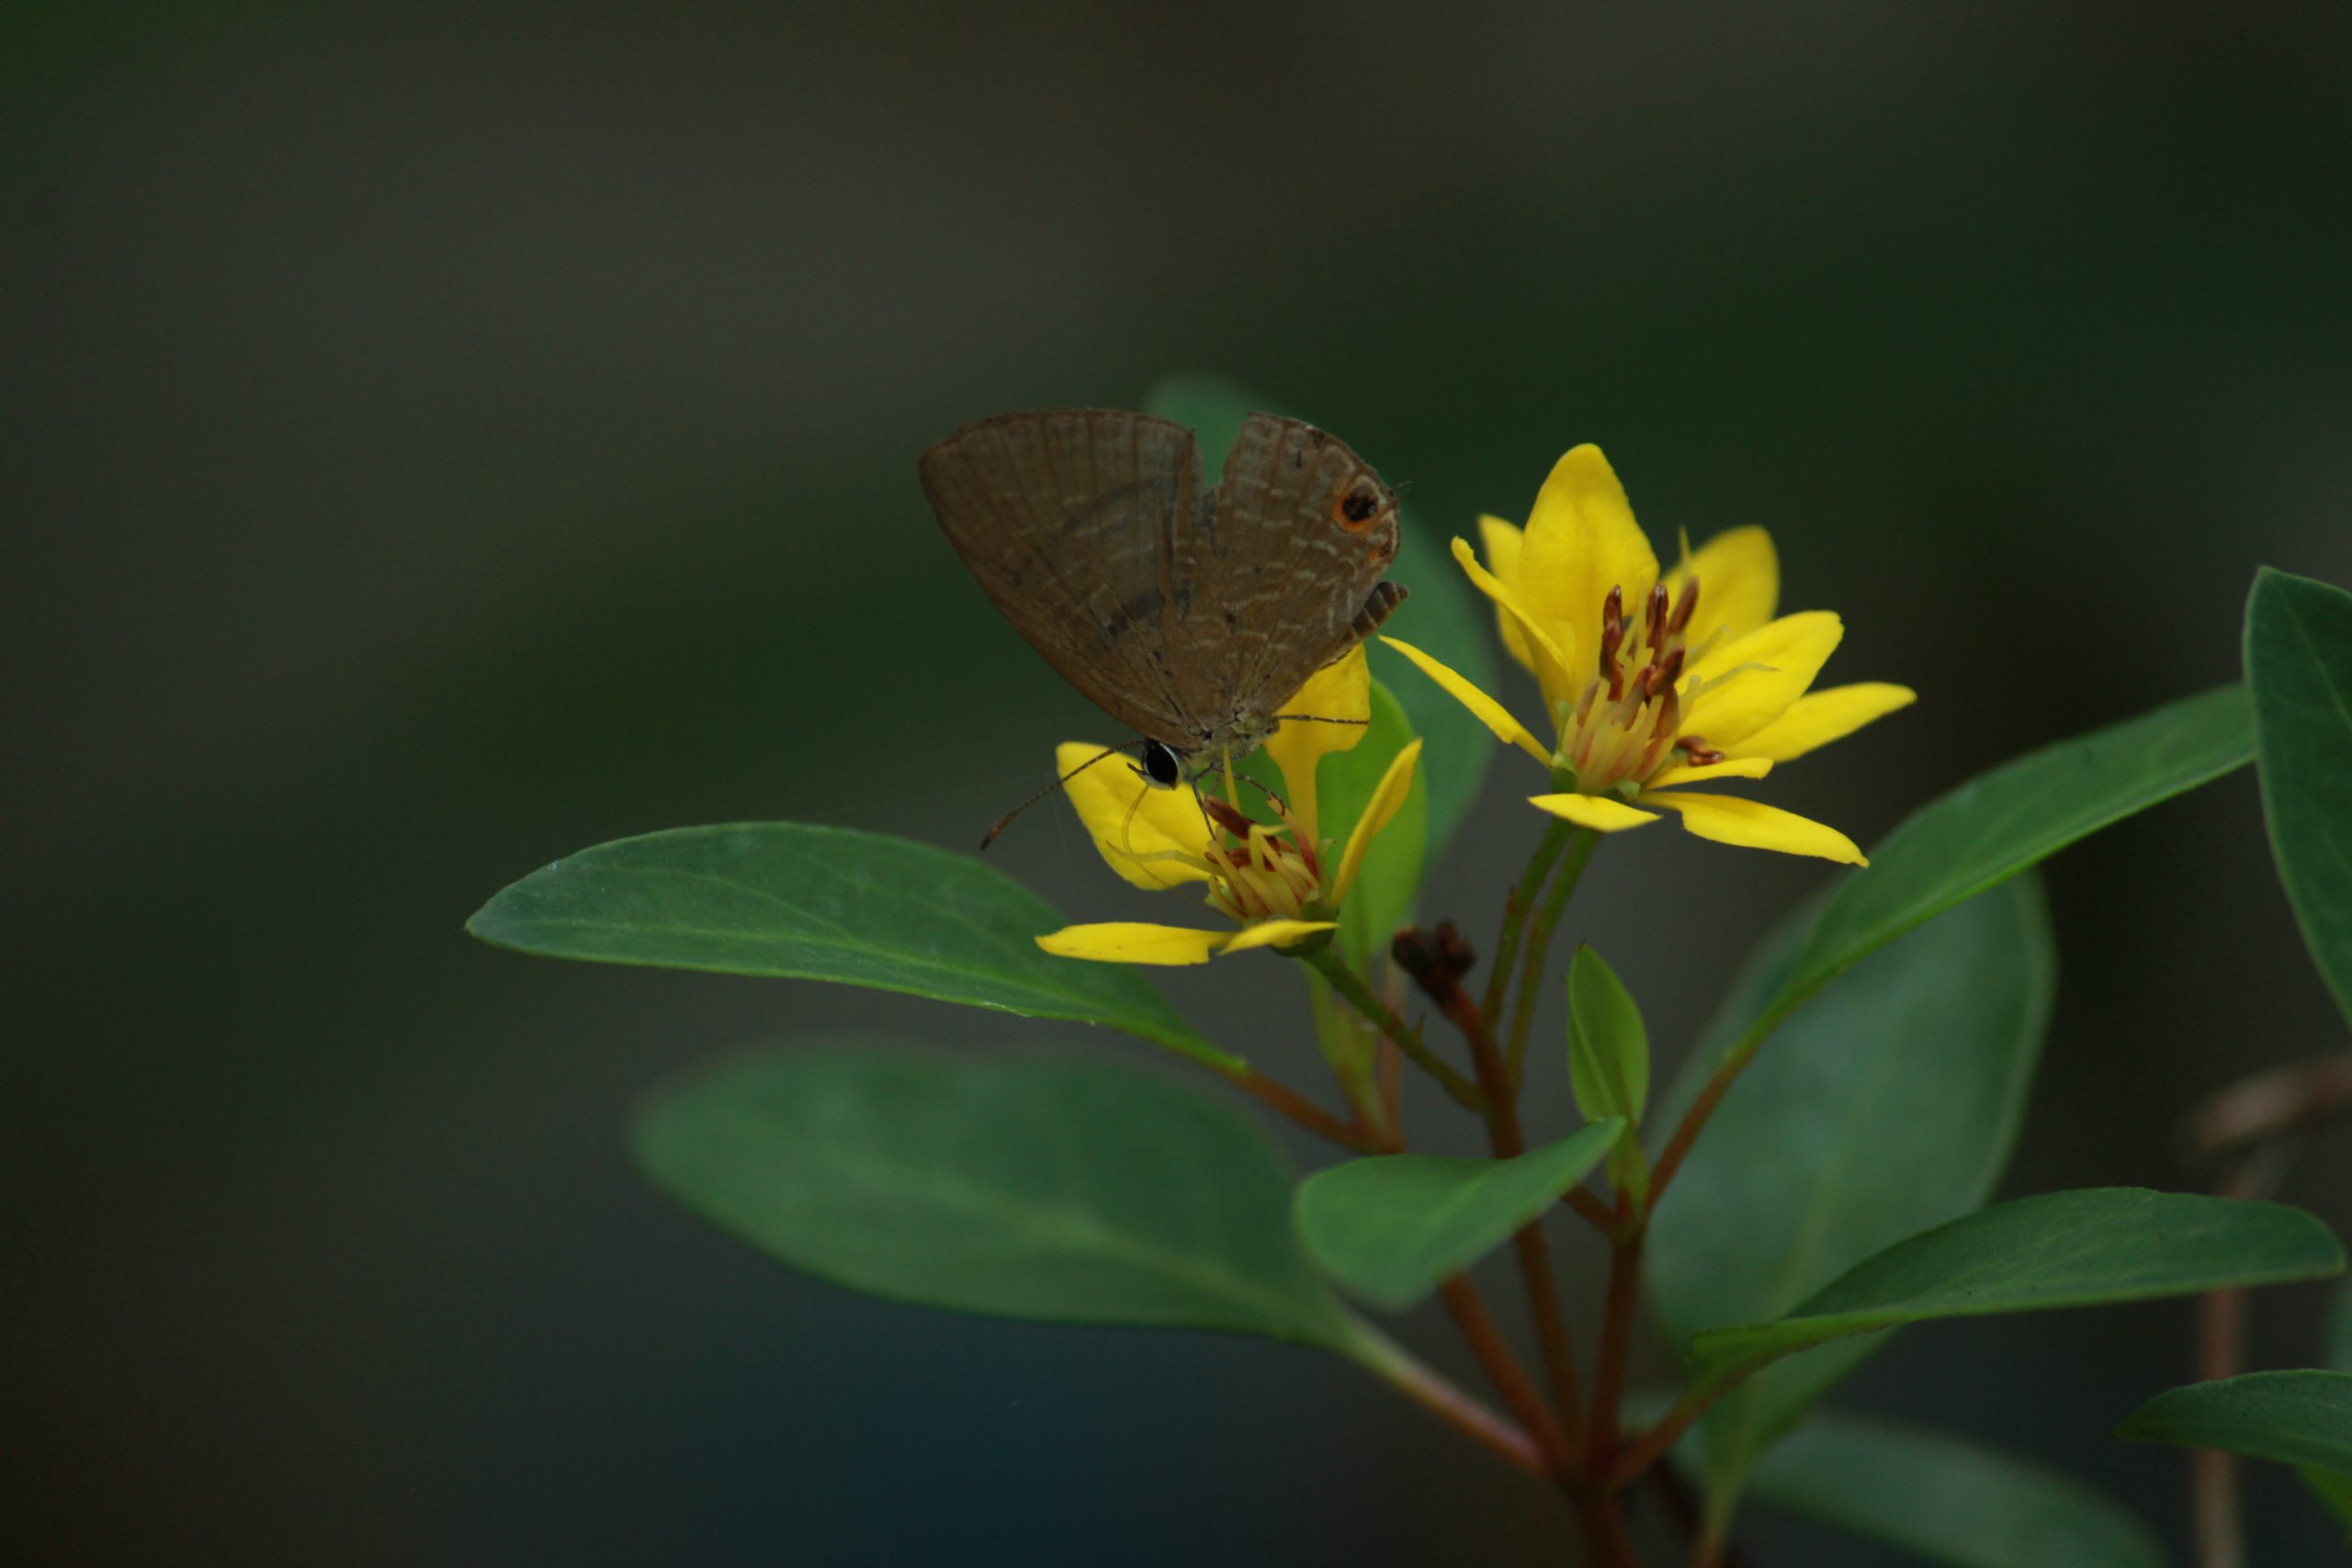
[1649, 684]
[1280, 883]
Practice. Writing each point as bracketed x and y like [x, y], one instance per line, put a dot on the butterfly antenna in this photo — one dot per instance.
[1315, 718]
[1005, 821]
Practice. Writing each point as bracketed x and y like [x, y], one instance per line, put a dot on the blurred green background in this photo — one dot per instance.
[435, 440]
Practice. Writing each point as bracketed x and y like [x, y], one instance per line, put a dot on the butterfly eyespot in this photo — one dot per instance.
[1356, 506]
[1161, 765]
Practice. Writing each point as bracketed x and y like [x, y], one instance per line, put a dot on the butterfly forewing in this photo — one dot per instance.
[1187, 616]
[1066, 519]
[1303, 530]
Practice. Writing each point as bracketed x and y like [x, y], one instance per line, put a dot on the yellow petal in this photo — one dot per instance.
[1749, 682]
[1545, 658]
[1490, 712]
[1500, 541]
[1751, 824]
[1581, 542]
[1819, 717]
[1387, 797]
[1150, 836]
[1128, 941]
[1597, 812]
[1730, 768]
[1340, 690]
[1276, 933]
[1739, 584]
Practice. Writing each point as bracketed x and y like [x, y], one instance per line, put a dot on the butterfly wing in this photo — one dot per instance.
[1067, 519]
[1295, 542]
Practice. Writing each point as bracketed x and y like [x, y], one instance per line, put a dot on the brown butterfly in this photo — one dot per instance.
[1188, 614]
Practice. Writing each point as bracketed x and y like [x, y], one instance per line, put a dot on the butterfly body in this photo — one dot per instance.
[1189, 613]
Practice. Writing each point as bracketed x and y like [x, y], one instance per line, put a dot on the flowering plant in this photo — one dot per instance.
[1894, 1021]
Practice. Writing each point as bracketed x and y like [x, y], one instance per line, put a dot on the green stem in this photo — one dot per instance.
[1538, 943]
[1522, 899]
[1360, 996]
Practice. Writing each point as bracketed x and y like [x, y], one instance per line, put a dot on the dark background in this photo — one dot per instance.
[433, 442]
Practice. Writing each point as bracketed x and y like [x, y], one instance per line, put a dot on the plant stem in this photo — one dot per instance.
[1616, 1334]
[1360, 996]
[1694, 1119]
[1515, 909]
[1529, 1244]
[2221, 1353]
[1502, 1368]
[1307, 1114]
[1694, 1403]
[1450, 1404]
[1538, 943]
[1591, 1209]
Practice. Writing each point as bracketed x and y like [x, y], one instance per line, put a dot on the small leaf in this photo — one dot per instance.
[1442, 614]
[2092, 1247]
[1889, 1106]
[1998, 824]
[784, 900]
[1382, 900]
[2298, 665]
[1608, 1047]
[1948, 1501]
[2333, 1490]
[1066, 1192]
[2299, 1418]
[1394, 1227]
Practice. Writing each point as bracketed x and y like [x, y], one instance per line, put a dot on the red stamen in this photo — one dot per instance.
[1228, 818]
[1689, 601]
[1654, 616]
[1612, 631]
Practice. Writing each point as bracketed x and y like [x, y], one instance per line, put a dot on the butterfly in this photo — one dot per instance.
[1188, 614]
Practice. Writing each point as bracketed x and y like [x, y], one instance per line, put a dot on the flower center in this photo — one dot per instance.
[1256, 872]
[1627, 725]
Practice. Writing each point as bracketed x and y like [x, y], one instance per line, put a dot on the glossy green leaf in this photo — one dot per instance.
[2299, 1418]
[2093, 1247]
[1442, 614]
[1948, 1501]
[1889, 1106]
[1392, 1228]
[1998, 824]
[1608, 1064]
[1383, 897]
[784, 900]
[1062, 1191]
[1609, 1047]
[2299, 666]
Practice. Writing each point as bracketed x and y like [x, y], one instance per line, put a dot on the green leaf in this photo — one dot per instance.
[1608, 1064]
[1068, 1192]
[1609, 1047]
[2298, 665]
[2093, 1247]
[1394, 1227]
[784, 900]
[1949, 1501]
[1382, 900]
[1998, 824]
[2333, 1490]
[2299, 1418]
[1441, 615]
[1889, 1106]
[2338, 1351]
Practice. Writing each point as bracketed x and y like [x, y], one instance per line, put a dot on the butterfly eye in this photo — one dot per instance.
[1357, 505]
[1159, 764]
